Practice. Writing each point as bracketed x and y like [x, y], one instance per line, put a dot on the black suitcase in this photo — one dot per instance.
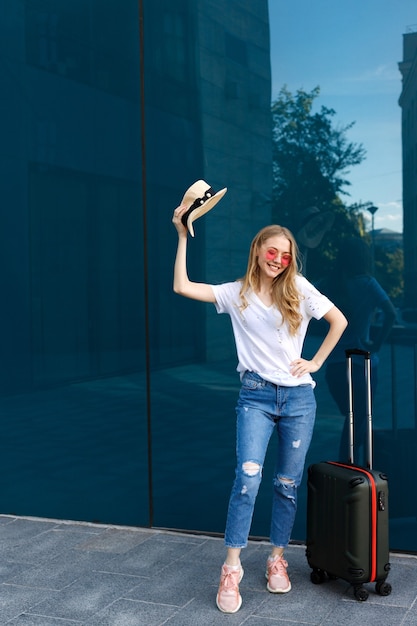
[347, 513]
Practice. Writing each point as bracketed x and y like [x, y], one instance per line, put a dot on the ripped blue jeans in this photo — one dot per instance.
[262, 408]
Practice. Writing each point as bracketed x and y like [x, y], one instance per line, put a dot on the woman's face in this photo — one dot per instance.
[274, 256]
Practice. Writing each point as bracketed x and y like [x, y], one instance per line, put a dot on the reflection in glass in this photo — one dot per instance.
[349, 92]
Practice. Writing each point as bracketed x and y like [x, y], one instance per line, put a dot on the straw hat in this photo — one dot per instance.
[199, 198]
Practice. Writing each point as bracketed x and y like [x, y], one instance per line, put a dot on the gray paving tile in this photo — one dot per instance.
[26, 541]
[9, 569]
[133, 613]
[403, 578]
[410, 618]
[21, 529]
[354, 612]
[304, 603]
[268, 621]
[202, 610]
[15, 600]
[41, 546]
[39, 620]
[115, 540]
[153, 555]
[82, 527]
[91, 593]
[60, 571]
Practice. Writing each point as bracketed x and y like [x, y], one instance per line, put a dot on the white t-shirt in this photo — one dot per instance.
[263, 343]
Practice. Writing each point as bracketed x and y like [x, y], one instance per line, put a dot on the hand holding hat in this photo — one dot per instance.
[199, 199]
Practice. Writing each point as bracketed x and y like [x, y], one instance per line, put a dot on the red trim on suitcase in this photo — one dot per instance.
[373, 575]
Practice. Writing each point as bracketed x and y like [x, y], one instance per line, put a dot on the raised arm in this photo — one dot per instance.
[182, 284]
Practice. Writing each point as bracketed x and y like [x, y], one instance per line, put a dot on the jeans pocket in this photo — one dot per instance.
[252, 381]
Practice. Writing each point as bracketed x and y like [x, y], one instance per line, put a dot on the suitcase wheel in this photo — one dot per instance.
[318, 576]
[360, 593]
[383, 588]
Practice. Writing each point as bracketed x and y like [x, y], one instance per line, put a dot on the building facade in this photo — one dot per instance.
[109, 112]
[408, 104]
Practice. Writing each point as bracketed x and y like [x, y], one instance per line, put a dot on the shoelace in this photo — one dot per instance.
[229, 581]
[278, 567]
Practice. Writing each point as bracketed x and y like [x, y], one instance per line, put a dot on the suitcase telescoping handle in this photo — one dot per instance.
[367, 364]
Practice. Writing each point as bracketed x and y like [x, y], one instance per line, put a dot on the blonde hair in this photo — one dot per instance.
[285, 295]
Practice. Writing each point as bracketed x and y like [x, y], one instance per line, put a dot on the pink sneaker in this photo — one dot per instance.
[228, 598]
[276, 573]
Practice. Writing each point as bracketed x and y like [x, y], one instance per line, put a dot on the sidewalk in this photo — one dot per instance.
[55, 573]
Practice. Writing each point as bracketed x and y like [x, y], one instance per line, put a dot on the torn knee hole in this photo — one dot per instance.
[286, 481]
[250, 468]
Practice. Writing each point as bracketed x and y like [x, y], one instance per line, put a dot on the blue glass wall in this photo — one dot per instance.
[73, 399]
[117, 396]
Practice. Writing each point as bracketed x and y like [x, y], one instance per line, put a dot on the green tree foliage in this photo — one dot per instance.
[389, 268]
[311, 157]
[348, 222]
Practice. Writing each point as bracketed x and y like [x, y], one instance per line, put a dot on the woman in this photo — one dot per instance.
[270, 308]
[359, 295]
